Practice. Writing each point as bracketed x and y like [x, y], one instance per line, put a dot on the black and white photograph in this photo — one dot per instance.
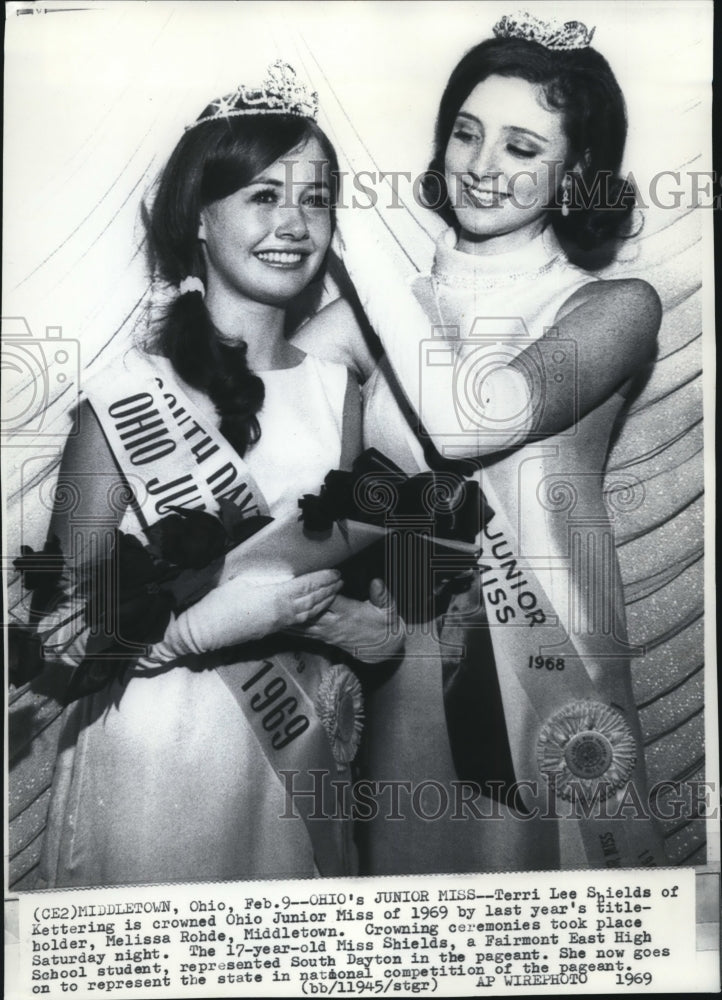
[357, 455]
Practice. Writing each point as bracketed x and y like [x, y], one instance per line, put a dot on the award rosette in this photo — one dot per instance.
[586, 746]
[339, 705]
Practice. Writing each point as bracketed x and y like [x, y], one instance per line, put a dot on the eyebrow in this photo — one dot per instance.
[509, 128]
[273, 182]
[267, 182]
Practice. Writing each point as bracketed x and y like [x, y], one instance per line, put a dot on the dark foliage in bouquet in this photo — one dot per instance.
[124, 600]
[377, 491]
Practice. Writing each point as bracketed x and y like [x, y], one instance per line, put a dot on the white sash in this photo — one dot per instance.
[172, 456]
[535, 646]
[161, 439]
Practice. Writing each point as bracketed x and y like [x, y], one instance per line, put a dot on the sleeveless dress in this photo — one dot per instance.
[551, 492]
[161, 778]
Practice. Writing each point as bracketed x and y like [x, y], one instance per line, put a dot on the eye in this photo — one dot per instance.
[266, 196]
[317, 199]
[522, 152]
[464, 135]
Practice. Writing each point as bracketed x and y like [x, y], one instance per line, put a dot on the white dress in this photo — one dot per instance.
[551, 492]
[161, 778]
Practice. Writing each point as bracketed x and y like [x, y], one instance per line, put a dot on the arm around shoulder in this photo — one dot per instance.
[603, 336]
[612, 328]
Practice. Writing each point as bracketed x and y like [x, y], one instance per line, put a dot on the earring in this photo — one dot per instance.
[566, 196]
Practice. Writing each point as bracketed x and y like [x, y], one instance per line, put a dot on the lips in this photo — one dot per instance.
[282, 258]
[485, 198]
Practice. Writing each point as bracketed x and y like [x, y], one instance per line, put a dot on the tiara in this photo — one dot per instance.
[551, 34]
[281, 93]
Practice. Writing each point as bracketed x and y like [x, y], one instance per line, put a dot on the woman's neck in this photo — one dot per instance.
[258, 324]
[482, 246]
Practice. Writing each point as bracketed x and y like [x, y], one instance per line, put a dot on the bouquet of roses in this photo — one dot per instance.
[101, 614]
[123, 601]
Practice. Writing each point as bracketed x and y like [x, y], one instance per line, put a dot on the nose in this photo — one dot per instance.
[484, 162]
[292, 224]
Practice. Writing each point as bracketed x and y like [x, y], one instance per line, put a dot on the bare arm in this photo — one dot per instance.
[606, 332]
[90, 498]
[609, 327]
[91, 492]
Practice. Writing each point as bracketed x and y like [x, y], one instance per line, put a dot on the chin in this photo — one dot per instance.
[282, 296]
[483, 220]
[489, 222]
[284, 287]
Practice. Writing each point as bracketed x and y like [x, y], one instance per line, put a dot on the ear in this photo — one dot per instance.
[202, 227]
[581, 165]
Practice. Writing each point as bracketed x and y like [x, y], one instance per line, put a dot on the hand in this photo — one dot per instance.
[243, 610]
[371, 630]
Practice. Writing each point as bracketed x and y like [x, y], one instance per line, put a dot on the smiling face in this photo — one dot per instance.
[503, 163]
[266, 241]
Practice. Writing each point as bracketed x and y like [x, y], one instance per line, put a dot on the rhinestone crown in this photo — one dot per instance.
[551, 34]
[281, 93]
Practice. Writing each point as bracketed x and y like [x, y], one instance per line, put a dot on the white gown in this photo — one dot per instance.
[550, 491]
[161, 779]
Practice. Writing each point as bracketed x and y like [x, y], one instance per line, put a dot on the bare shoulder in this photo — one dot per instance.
[334, 334]
[323, 335]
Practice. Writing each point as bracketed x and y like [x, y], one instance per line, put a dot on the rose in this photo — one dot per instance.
[189, 539]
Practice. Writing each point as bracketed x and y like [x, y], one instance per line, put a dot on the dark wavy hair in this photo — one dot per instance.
[212, 161]
[581, 85]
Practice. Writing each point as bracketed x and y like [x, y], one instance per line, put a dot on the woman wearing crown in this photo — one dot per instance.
[510, 732]
[172, 770]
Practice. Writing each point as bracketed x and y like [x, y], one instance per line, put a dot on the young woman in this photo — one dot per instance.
[509, 732]
[172, 773]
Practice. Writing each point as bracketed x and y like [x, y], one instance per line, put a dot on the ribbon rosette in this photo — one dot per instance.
[339, 704]
[586, 746]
